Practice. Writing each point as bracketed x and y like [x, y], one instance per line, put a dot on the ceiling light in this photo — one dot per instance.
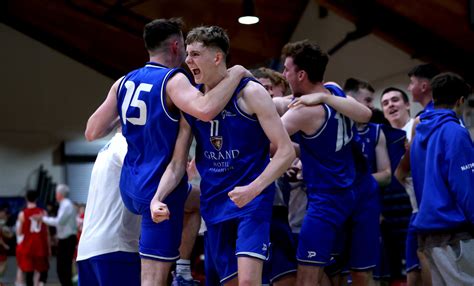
[248, 17]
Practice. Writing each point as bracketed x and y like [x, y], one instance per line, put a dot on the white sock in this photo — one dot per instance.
[183, 269]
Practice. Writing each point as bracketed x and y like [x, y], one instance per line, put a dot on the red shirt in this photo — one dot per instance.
[35, 242]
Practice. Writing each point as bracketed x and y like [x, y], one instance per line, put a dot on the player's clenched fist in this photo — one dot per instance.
[159, 211]
[242, 195]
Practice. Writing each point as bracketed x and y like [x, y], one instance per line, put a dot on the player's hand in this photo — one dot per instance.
[159, 211]
[308, 99]
[241, 196]
[239, 71]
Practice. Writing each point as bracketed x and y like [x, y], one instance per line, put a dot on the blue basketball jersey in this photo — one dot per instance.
[150, 129]
[369, 137]
[335, 90]
[327, 158]
[231, 150]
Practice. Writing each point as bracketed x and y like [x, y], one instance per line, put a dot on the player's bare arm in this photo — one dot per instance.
[281, 104]
[190, 100]
[19, 226]
[383, 176]
[173, 174]
[105, 118]
[307, 119]
[347, 106]
[255, 100]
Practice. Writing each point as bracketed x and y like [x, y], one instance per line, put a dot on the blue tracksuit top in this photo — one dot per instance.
[442, 160]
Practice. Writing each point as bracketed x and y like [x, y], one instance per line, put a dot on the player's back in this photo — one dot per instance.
[108, 225]
[326, 155]
[232, 150]
[35, 241]
[150, 129]
[369, 137]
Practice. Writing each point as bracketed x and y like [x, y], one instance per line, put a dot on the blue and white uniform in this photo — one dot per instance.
[282, 261]
[108, 249]
[369, 137]
[365, 221]
[232, 150]
[329, 174]
[151, 131]
[396, 211]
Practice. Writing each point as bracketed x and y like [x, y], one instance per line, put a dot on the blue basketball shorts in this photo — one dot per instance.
[115, 268]
[160, 241]
[327, 213]
[246, 236]
[365, 226]
[412, 261]
[282, 259]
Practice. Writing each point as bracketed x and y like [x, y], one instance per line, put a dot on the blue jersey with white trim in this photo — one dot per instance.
[232, 150]
[150, 129]
[369, 137]
[327, 158]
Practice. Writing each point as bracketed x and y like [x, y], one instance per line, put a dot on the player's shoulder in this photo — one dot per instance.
[254, 92]
[306, 115]
[253, 86]
[178, 79]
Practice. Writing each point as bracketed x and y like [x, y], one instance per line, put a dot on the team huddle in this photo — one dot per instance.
[242, 147]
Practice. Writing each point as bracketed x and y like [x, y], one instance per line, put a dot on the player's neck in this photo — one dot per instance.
[400, 123]
[162, 59]
[217, 77]
[30, 205]
[427, 98]
[314, 88]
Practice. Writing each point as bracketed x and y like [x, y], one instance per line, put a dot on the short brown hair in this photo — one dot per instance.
[448, 88]
[309, 57]
[158, 31]
[210, 36]
[275, 77]
[354, 85]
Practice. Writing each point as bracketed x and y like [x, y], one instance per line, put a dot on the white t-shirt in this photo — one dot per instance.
[65, 221]
[108, 225]
[409, 181]
[408, 127]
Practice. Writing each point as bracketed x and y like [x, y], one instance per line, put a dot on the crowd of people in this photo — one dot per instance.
[302, 181]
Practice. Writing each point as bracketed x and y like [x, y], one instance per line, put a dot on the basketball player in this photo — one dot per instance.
[147, 101]
[35, 246]
[324, 138]
[396, 108]
[372, 137]
[280, 269]
[108, 247]
[273, 81]
[232, 157]
[420, 86]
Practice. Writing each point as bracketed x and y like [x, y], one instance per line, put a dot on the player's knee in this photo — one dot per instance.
[247, 281]
[360, 277]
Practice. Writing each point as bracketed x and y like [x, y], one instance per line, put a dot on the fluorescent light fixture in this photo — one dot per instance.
[248, 20]
[248, 17]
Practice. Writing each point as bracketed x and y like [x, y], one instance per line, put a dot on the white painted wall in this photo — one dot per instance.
[46, 99]
[369, 58]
